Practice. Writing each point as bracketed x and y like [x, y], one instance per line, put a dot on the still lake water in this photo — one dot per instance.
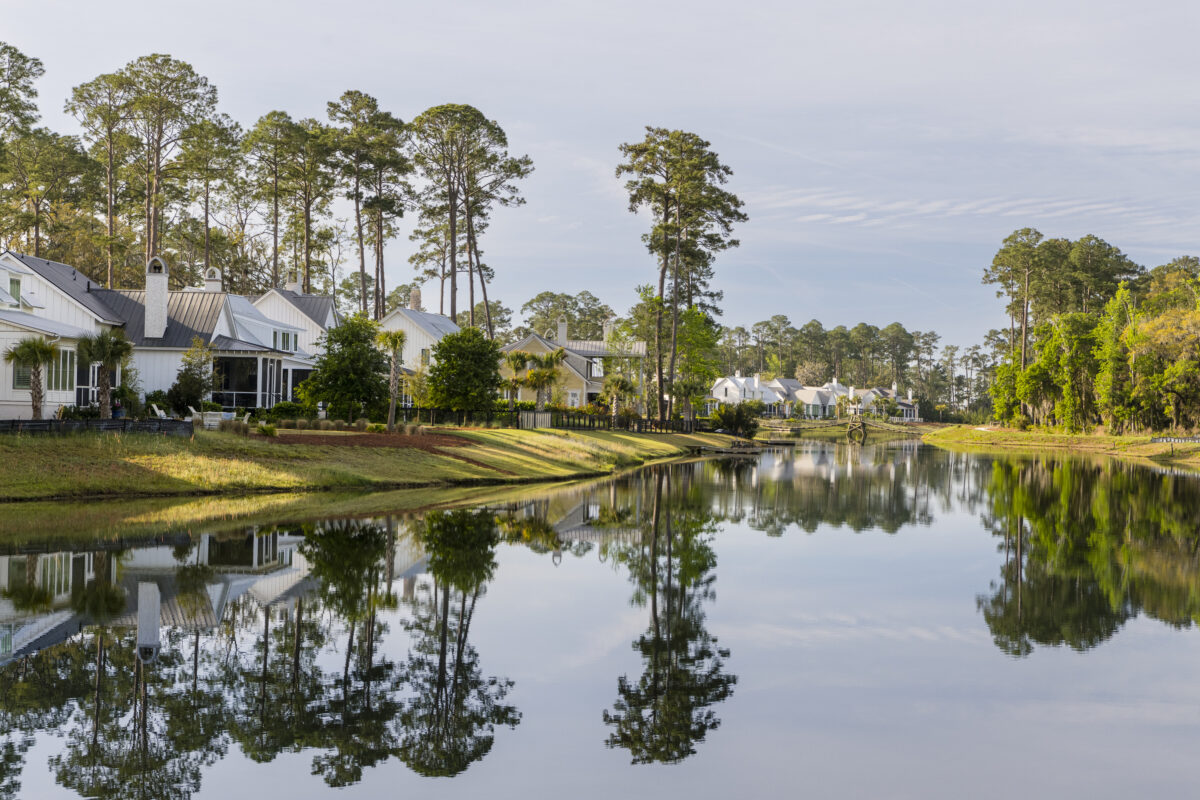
[885, 621]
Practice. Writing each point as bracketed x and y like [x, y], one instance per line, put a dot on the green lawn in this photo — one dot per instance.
[94, 465]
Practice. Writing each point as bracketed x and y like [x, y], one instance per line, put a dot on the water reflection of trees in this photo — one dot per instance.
[1088, 545]
[449, 718]
[666, 711]
[301, 670]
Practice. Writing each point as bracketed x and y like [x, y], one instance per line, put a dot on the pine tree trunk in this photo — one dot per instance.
[453, 251]
[362, 255]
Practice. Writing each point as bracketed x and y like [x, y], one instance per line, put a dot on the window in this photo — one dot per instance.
[425, 357]
[20, 377]
[14, 288]
[60, 373]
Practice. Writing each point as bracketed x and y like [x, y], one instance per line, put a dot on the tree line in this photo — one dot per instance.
[157, 168]
[1095, 339]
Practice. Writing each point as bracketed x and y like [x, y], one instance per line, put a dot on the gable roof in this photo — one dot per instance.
[68, 280]
[317, 307]
[40, 324]
[435, 325]
[189, 314]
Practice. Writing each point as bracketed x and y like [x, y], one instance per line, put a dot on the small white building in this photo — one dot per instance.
[422, 331]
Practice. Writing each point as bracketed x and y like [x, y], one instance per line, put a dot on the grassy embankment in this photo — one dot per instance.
[95, 466]
[1138, 447]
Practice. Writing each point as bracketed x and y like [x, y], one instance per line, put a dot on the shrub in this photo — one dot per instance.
[412, 430]
[302, 424]
[287, 423]
[739, 420]
[284, 410]
[79, 412]
[339, 425]
[266, 430]
[377, 427]
[362, 423]
[324, 424]
[208, 405]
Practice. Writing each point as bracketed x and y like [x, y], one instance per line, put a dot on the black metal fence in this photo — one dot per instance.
[563, 420]
[168, 427]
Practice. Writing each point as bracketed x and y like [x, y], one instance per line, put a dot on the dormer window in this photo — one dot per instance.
[14, 288]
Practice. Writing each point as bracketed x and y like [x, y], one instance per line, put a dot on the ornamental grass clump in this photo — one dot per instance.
[339, 424]
[287, 423]
[324, 424]
[361, 424]
[302, 424]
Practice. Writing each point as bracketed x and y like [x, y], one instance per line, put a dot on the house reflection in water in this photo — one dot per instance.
[47, 597]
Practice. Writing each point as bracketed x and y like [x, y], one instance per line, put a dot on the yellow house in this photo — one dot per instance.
[581, 375]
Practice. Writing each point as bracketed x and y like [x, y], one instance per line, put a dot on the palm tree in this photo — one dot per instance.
[109, 349]
[616, 387]
[516, 360]
[32, 353]
[543, 373]
[392, 342]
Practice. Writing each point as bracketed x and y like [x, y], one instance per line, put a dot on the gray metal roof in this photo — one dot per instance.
[316, 307]
[435, 325]
[189, 314]
[73, 283]
[40, 324]
[236, 346]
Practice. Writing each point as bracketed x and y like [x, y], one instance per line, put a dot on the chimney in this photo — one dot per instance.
[894, 393]
[212, 280]
[562, 330]
[156, 298]
[414, 299]
[737, 373]
[609, 327]
[910, 394]
[292, 284]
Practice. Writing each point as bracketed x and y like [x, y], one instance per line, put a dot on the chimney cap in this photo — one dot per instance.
[156, 266]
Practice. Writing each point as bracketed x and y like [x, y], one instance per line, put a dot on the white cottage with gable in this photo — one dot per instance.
[422, 330]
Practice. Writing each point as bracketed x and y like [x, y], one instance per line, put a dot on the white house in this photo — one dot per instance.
[260, 358]
[789, 397]
[313, 315]
[736, 389]
[422, 330]
[59, 308]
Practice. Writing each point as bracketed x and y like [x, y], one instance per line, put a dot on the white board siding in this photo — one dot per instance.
[157, 368]
[14, 403]
[416, 339]
[277, 308]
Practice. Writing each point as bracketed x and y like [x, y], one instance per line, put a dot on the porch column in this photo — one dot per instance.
[259, 377]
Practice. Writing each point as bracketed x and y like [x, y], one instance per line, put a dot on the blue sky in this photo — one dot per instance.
[883, 149]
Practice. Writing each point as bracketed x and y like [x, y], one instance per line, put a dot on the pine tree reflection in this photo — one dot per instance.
[667, 711]
[448, 722]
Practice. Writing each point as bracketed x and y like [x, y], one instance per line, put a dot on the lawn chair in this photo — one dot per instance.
[158, 412]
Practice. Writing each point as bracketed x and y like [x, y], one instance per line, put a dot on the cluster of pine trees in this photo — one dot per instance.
[158, 169]
[1094, 338]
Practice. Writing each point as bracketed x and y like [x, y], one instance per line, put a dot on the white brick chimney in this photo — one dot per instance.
[156, 298]
[562, 330]
[292, 284]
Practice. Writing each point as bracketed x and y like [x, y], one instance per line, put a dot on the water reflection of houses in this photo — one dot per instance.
[44, 597]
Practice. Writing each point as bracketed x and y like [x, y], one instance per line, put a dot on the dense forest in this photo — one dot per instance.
[1094, 339]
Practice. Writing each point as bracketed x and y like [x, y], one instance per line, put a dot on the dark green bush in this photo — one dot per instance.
[739, 420]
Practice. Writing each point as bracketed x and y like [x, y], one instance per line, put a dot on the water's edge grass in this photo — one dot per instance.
[1131, 447]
